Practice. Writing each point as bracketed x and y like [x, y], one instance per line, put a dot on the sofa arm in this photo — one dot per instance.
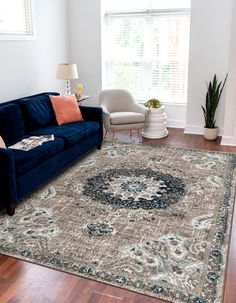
[8, 190]
[93, 114]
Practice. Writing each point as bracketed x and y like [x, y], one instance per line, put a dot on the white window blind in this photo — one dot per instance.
[15, 18]
[146, 50]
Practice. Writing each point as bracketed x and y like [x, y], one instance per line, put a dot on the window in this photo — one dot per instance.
[146, 48]
[15, 19]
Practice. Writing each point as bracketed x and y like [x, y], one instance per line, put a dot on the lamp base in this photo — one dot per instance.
[68, 89]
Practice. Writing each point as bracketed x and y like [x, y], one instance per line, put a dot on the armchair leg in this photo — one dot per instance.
[113, 136]
[139, 135]
[105, 134]
[11, 209]
[130, 132]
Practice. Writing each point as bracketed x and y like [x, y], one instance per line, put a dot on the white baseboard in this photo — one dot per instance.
[175, 123]
[198, 130]
[193, 129]
[228, 140]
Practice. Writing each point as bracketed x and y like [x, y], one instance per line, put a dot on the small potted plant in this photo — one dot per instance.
[153, 103]
[79, 89]
[214, 91]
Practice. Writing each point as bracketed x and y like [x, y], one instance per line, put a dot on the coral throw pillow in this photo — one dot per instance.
[66, 109]
[2, 143]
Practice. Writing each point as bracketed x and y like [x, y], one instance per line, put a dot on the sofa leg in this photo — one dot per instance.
[99, 146]
[11, 209]
[2, 207]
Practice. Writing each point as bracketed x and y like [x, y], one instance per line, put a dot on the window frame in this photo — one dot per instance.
[28, 35]
[148, 12]
[141, 12]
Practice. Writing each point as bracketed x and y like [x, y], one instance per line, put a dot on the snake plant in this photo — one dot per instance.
[214, 91]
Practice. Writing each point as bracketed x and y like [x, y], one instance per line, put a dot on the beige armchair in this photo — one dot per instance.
[121, 111]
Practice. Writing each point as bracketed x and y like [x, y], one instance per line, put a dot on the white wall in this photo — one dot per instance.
[85, 45]
[176, 115]
[229, 137]
[209, 54]
[29, 67]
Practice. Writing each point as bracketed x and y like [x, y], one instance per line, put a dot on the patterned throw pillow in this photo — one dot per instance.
[66, 109]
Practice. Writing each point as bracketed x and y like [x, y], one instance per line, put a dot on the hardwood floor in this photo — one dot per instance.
[23, 282]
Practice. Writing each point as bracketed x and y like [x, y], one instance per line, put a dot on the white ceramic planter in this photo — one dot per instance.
[210, 133]
[156, 125]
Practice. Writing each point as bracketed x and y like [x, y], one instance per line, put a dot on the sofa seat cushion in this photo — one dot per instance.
[27, 160]
[71, 133]
[126, 118]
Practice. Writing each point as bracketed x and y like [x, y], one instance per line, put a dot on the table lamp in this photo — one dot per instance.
[67, 71]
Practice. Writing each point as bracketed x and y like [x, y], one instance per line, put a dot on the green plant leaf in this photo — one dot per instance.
[153, 103]
[214, 91]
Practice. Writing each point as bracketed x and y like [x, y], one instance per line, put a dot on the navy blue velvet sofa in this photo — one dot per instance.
[23, 171]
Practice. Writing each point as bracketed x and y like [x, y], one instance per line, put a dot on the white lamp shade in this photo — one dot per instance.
[67, 71]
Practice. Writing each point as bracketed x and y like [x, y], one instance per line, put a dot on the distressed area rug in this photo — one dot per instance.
[151, 219]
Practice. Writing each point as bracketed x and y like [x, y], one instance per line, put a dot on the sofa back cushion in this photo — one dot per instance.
[37, 111]
[11, 123]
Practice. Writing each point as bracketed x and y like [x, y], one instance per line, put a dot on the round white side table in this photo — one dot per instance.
[156, 125]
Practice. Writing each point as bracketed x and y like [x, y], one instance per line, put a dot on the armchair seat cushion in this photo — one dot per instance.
[126, 118]
[71, 133]
[27, 160]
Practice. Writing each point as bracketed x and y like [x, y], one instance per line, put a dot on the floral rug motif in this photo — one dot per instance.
[150, 219]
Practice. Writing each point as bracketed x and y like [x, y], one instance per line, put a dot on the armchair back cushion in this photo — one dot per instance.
[12, 126]
[117, 100]
[37, 111]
